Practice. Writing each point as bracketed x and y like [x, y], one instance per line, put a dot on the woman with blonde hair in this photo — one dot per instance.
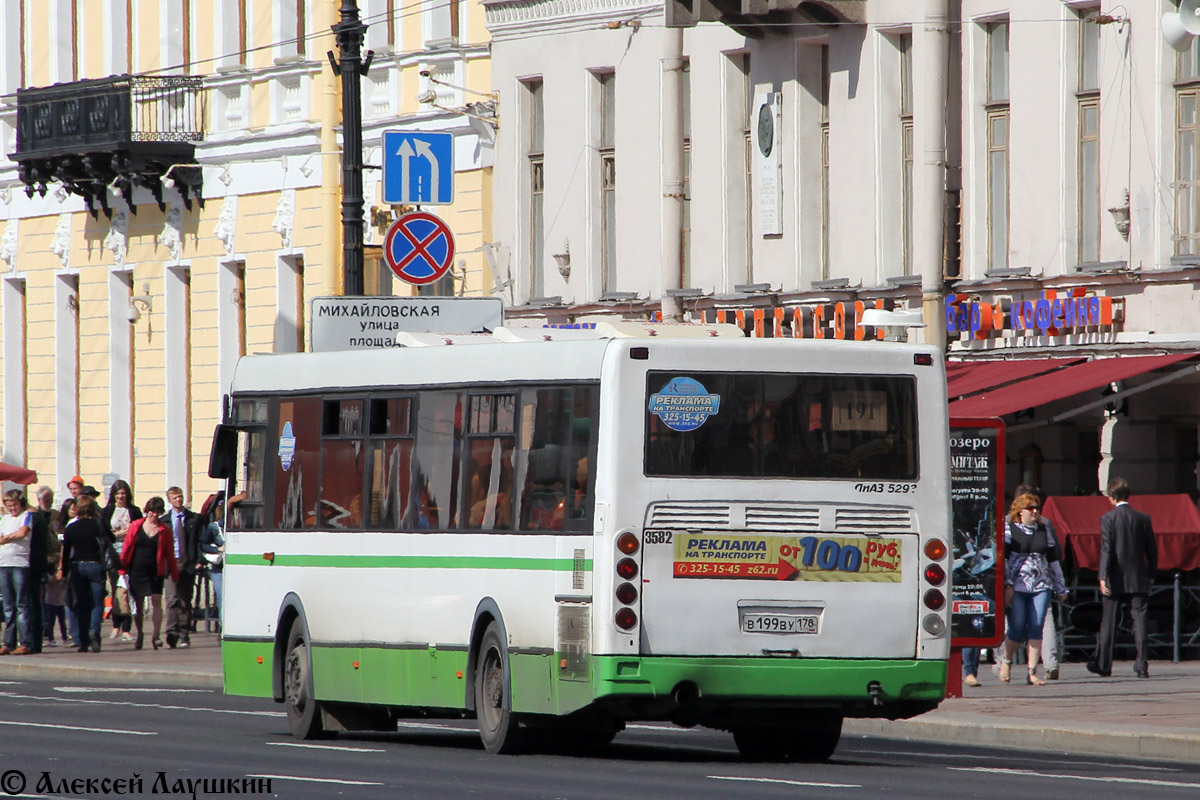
[1031, 574]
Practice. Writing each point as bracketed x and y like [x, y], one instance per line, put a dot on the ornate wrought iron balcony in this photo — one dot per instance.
[117, 132]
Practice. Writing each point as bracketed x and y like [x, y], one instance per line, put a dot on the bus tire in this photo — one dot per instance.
[499, 727]
[303, 710]
[760, 743]
[815, 737]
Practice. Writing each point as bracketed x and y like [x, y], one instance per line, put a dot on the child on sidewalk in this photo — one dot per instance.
[55, 606]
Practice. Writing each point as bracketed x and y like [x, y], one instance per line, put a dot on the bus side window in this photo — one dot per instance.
[582, 439]
[342, 465]
[389, 462]
[544, 419]
[248, 514]
[436, 459]
[489, 461]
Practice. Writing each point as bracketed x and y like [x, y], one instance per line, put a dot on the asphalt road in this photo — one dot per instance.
[77, 733]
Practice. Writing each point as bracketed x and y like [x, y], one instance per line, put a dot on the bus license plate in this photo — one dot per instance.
[779, 623]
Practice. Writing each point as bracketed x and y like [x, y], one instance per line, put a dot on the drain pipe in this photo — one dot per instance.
[671, 255]
[931, 54]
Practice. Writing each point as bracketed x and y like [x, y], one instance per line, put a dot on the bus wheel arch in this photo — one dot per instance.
[304, 713]
[290, 610]
[500, 728]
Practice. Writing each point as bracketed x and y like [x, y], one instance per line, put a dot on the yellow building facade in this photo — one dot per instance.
[121, 324]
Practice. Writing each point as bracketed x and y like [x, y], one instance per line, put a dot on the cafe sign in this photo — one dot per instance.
[1053, 314]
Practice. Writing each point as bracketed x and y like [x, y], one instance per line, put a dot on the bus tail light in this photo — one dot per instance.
[934, 574]
[626, 619]
[934, 600]
[627, 568]
[627, 543]
[935, 549]
[933, 624]
[627, 593]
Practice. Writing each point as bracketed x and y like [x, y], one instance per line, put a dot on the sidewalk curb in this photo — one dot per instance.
[112, 675]
[1030, 734]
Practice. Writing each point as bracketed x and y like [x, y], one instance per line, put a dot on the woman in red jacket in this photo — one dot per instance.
[146, 559]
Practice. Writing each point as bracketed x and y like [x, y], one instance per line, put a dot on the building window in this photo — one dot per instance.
[904, 43]
[179, 36]
[608, 180]
[441, 21]
[825, 76]
[290, 29]
[233, 33]
[537, 184]
[1187, 152]
[997, 144]
[1088, 97]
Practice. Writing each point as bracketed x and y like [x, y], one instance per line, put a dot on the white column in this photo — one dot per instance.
[14, 370]
[228, 321]
[66, 374]
[178, 417]
[120, 374]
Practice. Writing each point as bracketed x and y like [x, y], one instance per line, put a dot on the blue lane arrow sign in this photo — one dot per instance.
[418, 168]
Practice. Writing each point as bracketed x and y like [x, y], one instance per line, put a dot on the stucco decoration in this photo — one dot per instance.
[227, 225]
[172, 232]
[285, 217]
[8, 245]
[61, 245]
[118, 236]
[370, 191]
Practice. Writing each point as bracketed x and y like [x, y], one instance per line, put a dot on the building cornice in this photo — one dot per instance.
[508, 19]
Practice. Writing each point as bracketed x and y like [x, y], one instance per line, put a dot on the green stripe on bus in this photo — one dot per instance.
[412, 562]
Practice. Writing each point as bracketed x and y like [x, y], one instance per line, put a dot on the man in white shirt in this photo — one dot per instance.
[177, 595]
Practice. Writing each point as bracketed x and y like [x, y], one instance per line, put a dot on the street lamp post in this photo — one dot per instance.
[350, 32]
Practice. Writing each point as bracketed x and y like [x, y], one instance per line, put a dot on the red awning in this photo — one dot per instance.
[1175, 519]
[17, 474]
[970, 377]
[1055, 385]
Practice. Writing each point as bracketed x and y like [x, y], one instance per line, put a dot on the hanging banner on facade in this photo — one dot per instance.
[977, 509]
[768, 196]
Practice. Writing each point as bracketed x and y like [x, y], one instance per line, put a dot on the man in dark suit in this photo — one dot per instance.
[177, 595]
[1128, 561]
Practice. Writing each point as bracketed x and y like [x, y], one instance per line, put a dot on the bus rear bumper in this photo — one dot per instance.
[669, 687]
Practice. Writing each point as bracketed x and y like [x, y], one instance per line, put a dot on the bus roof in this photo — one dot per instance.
[444, 359]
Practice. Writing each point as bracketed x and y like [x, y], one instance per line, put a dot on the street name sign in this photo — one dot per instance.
[357, 323]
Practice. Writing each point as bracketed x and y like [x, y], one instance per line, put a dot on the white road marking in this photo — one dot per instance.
[329, 747]
[131, 704]
[982, 757]
[156, 690]
[1095, 778]
[432, 727]
[789, 783]
[315, 780]
[76, 728]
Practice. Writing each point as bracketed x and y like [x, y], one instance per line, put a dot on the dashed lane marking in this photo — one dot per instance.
[1095, 778]
[315, 780]
[329, 747]
[76, 728]
[789, 783]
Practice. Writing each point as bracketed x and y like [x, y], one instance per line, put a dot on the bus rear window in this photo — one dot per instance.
[759, 425]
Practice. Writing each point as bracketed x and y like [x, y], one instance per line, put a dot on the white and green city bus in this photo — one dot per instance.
[588, 528]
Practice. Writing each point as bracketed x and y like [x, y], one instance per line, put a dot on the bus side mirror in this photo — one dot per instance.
[222, 458]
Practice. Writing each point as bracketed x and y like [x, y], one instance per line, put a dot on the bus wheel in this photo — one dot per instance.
[304, 712]
[760, 744]
[498, 726]
[816, 736]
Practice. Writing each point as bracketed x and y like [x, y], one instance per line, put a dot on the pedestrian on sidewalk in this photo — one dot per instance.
[213, 547]
[118, 515]
[147, 560]
[84, 543]
[1128, 561]
[14, 573]
[1049, 629]
[178, 593]
[1031, 574]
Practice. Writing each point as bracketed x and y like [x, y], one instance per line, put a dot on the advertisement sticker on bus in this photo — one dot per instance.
[782, 558]
[684, 404]
[287, 446]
